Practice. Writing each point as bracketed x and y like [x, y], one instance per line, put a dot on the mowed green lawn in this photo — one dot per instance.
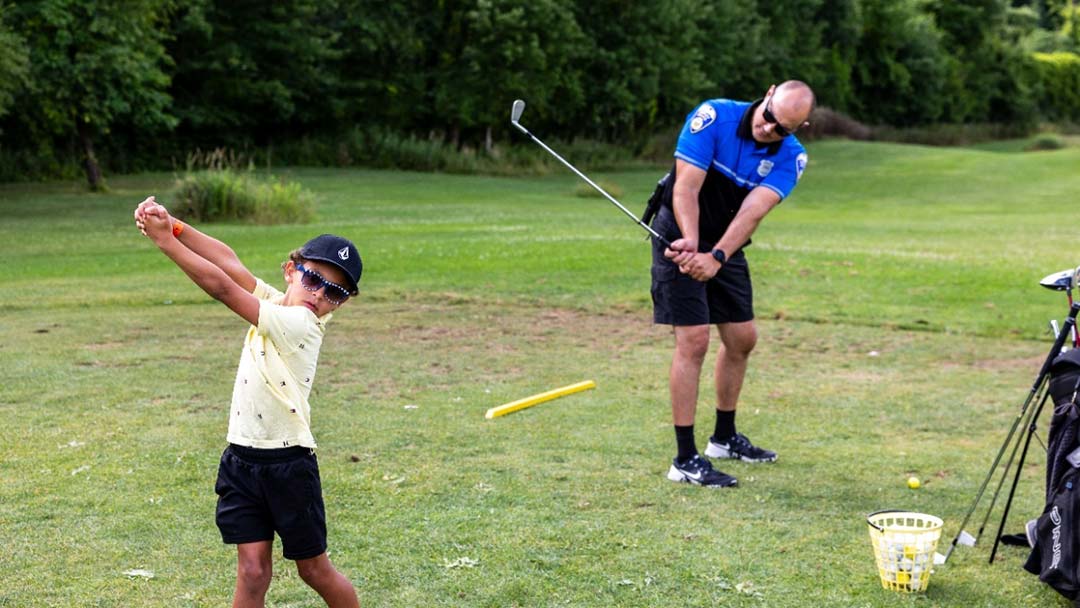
[901, 327]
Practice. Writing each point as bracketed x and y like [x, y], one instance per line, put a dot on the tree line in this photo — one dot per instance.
[128, 84]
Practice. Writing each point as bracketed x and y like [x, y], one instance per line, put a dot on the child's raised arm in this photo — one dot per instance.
[156, 224]
[213, 250]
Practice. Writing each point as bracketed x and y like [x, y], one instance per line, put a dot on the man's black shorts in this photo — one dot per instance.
[681, 300]
[265, 491]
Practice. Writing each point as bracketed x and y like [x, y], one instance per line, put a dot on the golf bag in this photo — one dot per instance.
[1055, 556]
[657, 199]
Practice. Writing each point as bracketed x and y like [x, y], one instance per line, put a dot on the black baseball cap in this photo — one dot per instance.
[338, 251]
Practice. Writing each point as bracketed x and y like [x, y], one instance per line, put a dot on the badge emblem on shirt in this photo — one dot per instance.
[764, 167]
[343, 253]
[704, 117]
[800, 165]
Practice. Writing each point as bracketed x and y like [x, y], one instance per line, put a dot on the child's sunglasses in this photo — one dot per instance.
[312, 281]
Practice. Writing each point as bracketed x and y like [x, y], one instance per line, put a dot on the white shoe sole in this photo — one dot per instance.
[678, 476]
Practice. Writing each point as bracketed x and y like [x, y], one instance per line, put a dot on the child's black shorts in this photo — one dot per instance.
[265, 491]
[679, 299]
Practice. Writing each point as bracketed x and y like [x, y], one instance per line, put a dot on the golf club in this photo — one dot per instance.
[1058, 281]
[1032, 415]
[1065, 281]
[515, 117]
[1036, 394]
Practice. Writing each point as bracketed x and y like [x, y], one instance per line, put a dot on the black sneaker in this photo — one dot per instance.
[699, 472]
[738, 447]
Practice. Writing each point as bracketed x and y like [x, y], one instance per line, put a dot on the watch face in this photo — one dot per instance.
[718, 254]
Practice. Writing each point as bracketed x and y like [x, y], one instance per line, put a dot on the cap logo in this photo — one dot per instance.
[343, 253]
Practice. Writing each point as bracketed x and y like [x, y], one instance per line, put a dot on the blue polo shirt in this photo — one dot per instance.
[717, 135]
[717, 138]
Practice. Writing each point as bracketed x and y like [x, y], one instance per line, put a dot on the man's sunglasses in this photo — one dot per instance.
[779, 129]
[312, 281]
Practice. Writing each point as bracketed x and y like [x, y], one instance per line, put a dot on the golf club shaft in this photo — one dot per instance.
[1070, 328]
[1066, 330]
[536, 139]
[1008, 463]
[1075, 337]
[1016, 476]
[993, 468]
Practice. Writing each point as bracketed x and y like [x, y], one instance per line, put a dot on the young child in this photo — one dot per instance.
[268, 479]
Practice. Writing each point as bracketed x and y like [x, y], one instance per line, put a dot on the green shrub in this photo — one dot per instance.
[226, 195]
[279, 202]
[1059, 84]
[1045, 141]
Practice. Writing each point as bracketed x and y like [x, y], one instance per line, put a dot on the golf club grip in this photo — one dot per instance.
[666, 243]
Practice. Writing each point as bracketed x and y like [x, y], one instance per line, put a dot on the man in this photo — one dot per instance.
[734, 162]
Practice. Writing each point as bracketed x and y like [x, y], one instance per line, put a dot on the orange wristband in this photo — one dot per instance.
[177, 228]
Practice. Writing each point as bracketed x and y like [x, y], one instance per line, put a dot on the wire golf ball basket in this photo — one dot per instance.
[904, 544]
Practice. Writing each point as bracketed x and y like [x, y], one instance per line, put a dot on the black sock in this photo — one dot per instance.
[684, 436]
[725, 425]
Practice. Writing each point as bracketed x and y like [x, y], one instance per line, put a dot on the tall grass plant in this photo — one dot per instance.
[226, 195]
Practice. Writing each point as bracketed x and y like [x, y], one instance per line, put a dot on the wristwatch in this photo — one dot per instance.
[719, 255]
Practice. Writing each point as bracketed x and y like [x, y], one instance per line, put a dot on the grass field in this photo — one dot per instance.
[901, 321]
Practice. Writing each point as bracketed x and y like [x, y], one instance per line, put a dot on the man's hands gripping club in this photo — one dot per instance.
[684, 251]
[700, 266]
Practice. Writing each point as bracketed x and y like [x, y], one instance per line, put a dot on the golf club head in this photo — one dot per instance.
[515, 112]
[1059, 281]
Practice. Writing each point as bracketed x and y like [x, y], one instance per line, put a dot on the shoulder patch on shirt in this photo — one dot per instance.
[800, 165]
[705, 116]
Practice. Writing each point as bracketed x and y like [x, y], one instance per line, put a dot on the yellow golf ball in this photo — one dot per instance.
[913, 482]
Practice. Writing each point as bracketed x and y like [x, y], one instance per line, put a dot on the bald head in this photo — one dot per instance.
[786, 109]
[797, 96]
